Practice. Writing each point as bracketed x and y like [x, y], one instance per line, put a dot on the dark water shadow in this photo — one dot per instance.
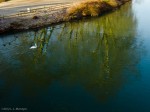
[92, 58]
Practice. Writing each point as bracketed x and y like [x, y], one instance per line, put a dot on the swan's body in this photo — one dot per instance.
[33, 47]
[28, 10]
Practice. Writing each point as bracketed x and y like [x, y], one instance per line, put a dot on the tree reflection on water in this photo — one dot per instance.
[99, 54]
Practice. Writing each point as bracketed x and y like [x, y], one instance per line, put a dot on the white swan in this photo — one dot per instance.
[34, 46]
[28, 10]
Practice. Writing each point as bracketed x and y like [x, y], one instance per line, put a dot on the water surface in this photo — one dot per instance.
[94, 65]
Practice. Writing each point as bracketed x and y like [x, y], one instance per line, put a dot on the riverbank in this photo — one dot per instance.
[32, 19]
[13, 6]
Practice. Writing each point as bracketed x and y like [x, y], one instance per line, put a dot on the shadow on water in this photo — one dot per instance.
[97, 56]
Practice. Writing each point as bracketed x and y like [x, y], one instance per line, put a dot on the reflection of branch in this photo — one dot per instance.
[60, 35]
[70, 33]
[48, 38]
[35, 37]
[42, 40]
[76, 34]
[98, 45]
[106, 55]
[45, 39]
[106, 58]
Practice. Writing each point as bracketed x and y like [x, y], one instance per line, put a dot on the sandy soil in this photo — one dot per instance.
[14, 6]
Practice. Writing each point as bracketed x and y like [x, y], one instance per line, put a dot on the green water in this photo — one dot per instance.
[92, 65]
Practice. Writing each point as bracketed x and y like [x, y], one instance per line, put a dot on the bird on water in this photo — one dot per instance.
[34, 46]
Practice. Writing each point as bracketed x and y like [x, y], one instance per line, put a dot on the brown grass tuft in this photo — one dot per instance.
[92, 8]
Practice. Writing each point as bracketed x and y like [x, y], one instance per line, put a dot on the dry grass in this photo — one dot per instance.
[92, 8]
[3, 1]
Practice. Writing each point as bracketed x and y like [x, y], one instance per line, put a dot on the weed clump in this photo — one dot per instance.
[92, 8]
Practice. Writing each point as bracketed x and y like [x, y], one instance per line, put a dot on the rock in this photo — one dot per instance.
[15, 24]
[35, 17]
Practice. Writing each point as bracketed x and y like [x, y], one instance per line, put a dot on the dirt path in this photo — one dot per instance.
[14, 6]
[14, 15]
